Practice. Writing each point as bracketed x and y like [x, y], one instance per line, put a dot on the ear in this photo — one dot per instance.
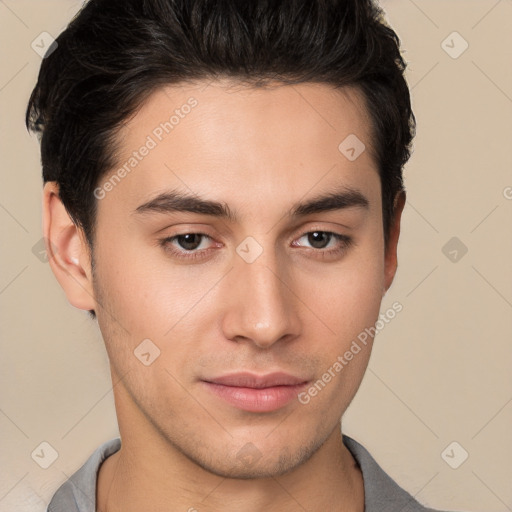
[67, 250]
[391, 260]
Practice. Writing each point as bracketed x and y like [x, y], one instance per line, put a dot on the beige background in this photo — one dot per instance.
[440, 371]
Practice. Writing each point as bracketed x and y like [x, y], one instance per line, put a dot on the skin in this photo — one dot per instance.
[260, 151]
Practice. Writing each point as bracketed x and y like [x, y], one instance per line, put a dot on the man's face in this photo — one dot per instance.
[266, 290]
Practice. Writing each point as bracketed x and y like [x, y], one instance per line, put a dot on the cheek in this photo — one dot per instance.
[348, 298]
[356, 302]
[146, 292]
[349, 304]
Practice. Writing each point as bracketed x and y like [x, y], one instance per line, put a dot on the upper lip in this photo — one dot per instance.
[251, 380]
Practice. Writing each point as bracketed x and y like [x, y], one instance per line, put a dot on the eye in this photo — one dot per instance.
[326, 243]
[189, 241]
[186, 245]
[195, 245]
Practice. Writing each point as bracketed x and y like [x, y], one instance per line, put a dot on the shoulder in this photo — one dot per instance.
[381, 492]
[78, 493]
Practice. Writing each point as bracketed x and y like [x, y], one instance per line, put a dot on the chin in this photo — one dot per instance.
[249, 463]
[241, 471]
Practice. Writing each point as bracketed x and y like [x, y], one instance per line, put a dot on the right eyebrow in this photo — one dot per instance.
[175, 201]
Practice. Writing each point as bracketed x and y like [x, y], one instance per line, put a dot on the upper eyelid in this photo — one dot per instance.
[302, 232]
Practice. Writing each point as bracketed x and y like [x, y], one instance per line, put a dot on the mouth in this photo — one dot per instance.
[256, 393]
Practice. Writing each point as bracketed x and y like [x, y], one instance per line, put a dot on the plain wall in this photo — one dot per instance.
[440, 371]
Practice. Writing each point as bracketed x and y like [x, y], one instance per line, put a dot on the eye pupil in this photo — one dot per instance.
[319, 237]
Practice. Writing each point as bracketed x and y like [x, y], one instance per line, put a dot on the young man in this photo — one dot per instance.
[223, 192]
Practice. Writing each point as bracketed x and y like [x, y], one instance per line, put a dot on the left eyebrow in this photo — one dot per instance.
[346, 198]
[175, 201]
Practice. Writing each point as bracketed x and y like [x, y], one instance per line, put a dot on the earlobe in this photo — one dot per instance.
[67, 250]
[391, 259]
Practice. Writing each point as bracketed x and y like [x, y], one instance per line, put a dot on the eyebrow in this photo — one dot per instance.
[176, 201]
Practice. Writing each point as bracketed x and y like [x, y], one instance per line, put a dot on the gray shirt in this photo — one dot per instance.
[381, 493]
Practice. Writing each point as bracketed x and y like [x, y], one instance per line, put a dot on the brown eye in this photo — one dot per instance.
[320, 242]
[187, 245]
[319, 239]
[189, 241]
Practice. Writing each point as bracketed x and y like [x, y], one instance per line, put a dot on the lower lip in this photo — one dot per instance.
[256, 400]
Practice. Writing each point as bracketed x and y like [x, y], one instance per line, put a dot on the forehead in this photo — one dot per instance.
[300, 112]
[223, 138]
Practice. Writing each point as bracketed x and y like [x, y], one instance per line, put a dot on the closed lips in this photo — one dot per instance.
[249, 380]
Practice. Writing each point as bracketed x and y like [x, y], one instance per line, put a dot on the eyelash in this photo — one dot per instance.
[344, 241]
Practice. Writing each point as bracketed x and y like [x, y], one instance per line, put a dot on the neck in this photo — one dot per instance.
[150, 473]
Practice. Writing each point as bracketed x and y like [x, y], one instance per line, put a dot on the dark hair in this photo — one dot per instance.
[115, 53]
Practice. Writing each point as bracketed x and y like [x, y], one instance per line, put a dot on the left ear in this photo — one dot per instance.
[391, 260]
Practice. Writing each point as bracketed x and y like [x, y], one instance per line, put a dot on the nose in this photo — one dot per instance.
[262, 306]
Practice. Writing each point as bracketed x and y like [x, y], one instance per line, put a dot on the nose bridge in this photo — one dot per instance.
[262, 306]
